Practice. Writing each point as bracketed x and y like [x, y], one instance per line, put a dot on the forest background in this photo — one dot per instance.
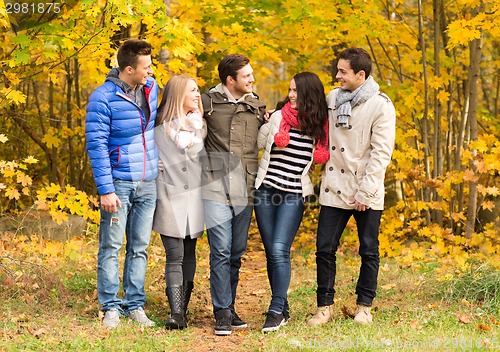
[437, 60]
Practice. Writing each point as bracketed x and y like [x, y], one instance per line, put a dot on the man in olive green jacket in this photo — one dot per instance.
[233, 114]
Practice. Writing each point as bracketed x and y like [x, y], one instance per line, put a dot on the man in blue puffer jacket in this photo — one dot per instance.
[120, 143]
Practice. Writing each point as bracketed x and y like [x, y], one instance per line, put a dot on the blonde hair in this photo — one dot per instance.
[173, 100]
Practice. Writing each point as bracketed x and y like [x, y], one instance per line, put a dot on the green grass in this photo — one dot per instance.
[54, 308]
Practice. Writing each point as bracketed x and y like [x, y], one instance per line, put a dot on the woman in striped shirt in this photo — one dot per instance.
[295, 138]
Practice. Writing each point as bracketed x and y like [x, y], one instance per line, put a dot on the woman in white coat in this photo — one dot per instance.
[179, 214]
[294, 139]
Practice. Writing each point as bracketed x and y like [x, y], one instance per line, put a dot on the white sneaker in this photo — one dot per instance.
[140, 316]
[363, 315]
[111, 318]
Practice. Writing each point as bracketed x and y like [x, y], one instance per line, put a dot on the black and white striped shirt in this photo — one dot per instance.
[287, 164]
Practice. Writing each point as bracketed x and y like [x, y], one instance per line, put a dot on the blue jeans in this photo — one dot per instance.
[135, 220]
[227, 230]
[332, 222]
[278, 215]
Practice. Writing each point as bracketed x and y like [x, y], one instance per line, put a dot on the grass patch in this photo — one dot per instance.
[480, 285]
[51, 305]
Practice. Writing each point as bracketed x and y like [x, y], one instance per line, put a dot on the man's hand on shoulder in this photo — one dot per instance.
[268, 114]
[110, 202]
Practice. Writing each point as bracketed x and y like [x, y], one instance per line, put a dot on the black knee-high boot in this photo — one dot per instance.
[188, 288]
[177, 318]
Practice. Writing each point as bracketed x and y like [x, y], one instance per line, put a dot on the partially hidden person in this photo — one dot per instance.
[294, 140]
[179, 216]
[234, 114]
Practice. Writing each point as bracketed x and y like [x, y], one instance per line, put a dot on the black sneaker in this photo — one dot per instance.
[223, 322]
[236, 321]
[273, 321]
[286, 316]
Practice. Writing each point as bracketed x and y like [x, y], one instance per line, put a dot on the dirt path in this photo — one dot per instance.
[252, 300]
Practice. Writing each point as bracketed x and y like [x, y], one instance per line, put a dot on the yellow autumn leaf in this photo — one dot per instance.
[59, 216]
[458, 217]
[23, 179]
[488, 204]
[53, 189]
[30, 160]
[443, 96]
[14, 96]
[479, 145]
[51, 140]
[53, 78]
[493, 191]
[470, 176]
[12, 193]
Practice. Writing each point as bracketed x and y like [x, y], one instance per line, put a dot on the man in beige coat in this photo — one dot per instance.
[362, 133]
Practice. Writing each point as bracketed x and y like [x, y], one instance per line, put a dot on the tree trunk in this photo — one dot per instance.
[473, 81]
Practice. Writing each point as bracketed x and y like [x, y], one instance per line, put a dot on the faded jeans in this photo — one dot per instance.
[134, 219]
[227, 230]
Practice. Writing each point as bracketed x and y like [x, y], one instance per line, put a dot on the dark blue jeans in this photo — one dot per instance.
[332, 222]
[278, 215]
[227, 230]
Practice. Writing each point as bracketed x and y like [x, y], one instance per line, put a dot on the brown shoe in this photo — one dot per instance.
[322, 316]
[363, 315]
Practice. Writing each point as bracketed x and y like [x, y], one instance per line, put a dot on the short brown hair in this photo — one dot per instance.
[130, 50]
[230, 65]
[359, 60]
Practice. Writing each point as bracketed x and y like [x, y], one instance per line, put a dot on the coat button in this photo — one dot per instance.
[330, 168]
[333, 147]
[342, 170]
[186, 187]
[342, 149]
[327, 190]
[338, 192]
[336, 125]
[350, 127]
[184, 169]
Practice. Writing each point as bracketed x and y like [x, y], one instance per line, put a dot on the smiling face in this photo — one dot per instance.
[141, 72]
[349, 80]
[191, 97]
[243, 83]
[292, 94]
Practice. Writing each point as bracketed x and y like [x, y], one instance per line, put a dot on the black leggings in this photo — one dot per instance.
[181, 259]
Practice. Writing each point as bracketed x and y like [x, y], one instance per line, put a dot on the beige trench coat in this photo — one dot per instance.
[360, 154]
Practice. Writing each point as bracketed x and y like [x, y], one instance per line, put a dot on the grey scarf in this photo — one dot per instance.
[345, 100]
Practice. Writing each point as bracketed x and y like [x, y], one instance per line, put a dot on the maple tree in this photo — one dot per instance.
[437, 60]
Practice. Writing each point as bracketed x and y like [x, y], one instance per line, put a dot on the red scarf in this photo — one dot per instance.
[290, 118]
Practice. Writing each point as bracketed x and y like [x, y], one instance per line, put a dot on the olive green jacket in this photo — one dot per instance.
[230, 165]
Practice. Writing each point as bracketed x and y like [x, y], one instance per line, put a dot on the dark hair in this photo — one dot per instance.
[130, 50]
[359, 59]
[230, 65]
[311, 104]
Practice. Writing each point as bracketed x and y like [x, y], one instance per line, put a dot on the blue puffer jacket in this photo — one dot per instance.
[120, 137]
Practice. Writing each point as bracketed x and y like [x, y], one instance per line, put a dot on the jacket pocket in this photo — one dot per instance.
[212, 172]
[114, 157]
